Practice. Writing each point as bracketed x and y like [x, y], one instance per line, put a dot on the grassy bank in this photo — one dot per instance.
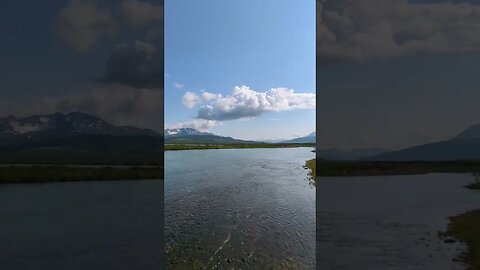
[235, 146]
[371, 168]
[312, 166]
[39, 174]
[473, 186]
[466, 228]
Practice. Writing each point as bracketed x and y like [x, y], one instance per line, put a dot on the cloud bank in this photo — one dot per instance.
[365, 29]
[246, 103]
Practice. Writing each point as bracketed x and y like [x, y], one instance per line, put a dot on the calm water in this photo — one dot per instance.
[239, 209]
[390, 222]
[81, 225]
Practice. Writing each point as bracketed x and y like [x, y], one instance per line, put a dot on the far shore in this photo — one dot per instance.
[177, 147]
[12, 174]
[378, 168]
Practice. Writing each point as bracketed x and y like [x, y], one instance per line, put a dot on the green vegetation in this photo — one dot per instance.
[312, 166]
[235, 146]
[39, 174]
[466, 228]
[473, 186]
[371, 168]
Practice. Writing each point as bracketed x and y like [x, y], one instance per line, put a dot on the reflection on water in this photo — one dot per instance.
[239, 209]
[390, 222]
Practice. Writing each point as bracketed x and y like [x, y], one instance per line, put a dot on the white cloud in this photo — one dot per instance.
[206, 96]
[190, 99]
[178, 85]
[245, 103]
[198, 124]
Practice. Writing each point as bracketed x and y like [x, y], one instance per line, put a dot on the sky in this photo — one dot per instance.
[244, 69]
[396, 73]
[389, 73]
[99, 57]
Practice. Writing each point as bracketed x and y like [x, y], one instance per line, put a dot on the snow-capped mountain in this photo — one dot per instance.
[76, 138]
[191, 135]
[178, 132]
[61, 125]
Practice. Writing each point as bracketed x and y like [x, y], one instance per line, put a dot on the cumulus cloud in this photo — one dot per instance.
[81, 23]
[137, 64]
[198, 124]
[246, 103]
[364, 29]
[140, 13]
[190, 99]
[206, 96]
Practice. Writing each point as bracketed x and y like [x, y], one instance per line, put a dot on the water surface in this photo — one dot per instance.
[81, 225]
[239, 209]
[390, 222]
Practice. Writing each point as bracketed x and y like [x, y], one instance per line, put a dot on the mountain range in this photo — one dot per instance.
[75, 138]
[354, 154]
[464, 146]
[311, 138]
[193, 136]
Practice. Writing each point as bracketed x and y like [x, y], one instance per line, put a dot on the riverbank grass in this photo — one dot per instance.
[312, 166]
[466, 228]
[373, 168]
[41, 174]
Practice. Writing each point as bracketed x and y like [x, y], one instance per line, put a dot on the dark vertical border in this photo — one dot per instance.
[162, 121]
[317, 139]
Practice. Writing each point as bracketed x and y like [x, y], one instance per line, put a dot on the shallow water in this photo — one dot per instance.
[239, 209]
[81, 225]
[390, 222]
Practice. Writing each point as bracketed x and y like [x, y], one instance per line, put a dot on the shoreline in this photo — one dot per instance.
[311, 165]
[180, 147]
[465, 228]
[25, 174]
[383, 168]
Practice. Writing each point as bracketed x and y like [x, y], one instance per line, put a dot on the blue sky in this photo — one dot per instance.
[213, 46]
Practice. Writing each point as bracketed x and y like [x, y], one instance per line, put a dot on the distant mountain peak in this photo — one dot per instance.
[62, 124]
[310, 138]
[194, 136]
[472, 132]
[176, 132]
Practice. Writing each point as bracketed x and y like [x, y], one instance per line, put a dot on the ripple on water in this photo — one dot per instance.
[261, 216]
